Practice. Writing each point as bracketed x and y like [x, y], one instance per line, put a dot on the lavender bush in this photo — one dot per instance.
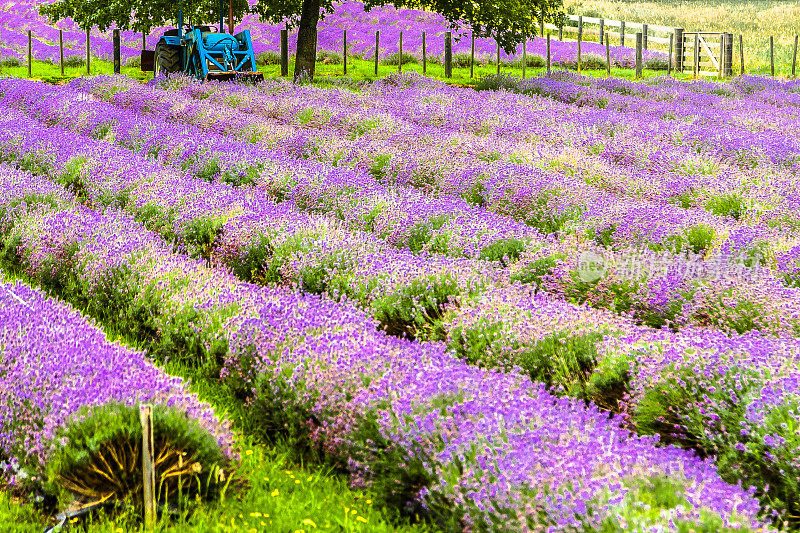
[69, 396]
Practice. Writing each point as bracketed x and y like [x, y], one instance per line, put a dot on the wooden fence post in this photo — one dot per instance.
[548, 53]
[148, 466]
[30, 54]
[580, 38]
[602, 24]
[644, 36]
[524, 56]
[344, 51]
[448, 54]
[679, 50]
[721, 55]
[472, 56]
[728, 55]
[794, 58]
[669, 59]
[741, 55]
[284, 52]
[608, 58]
[639, 55]
[424, 55]
[771, 57]
[61, 50]
[622, 33]
[498, 58]
[400, 59]
[377, 48]
[696, 52]
[116, 46]
[88, 51]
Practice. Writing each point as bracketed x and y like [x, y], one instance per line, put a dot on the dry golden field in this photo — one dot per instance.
[754, 20]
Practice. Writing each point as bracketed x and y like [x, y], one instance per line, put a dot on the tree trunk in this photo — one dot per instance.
[307, 40]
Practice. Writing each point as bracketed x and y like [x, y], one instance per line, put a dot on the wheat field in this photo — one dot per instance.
[754, 20]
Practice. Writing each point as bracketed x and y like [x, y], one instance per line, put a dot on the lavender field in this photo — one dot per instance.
[571, 304]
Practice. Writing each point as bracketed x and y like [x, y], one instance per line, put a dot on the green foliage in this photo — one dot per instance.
[398, 476]
[394, 59]
[306, 115]
[507, 21]
[685, 409]
[462, 59]
[608, 384]
[414, 309]
[497, 82]
[695, 239]
[610, 294]
[139, 15]
[18, 517]
[476, 194]
[649, 500]
[657, 62]
[505, 251]
[201, 235]
[74, 61]
[379, 164]
[210, 168]
[421, 234]
[562, 361]
[327, 57]
[274, 493]
[276, 411]
[727, 205]
[536, 271]
[531, 61]
[550, 221]
[592, 62]
[730, 313]
[10, 61]
[101, 456]
[255, 265]
[270, 57]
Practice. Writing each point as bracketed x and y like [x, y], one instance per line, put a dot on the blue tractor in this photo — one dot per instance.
[203, 52]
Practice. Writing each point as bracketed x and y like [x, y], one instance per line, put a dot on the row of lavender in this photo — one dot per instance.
[700, 309]
[436, 224]
[361, 25]
[340, 369]
[61, 376]
[531, 322]
[779, 296]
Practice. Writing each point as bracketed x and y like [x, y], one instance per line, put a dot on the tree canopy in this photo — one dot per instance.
[139, 15]
[505, 20]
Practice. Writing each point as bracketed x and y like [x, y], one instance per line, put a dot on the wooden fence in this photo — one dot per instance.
[700, 53]
[619, 31]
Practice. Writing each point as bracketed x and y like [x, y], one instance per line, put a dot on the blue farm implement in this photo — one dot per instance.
[203, 52]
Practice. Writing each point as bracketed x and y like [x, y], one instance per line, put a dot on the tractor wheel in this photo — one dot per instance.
[167, 59]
